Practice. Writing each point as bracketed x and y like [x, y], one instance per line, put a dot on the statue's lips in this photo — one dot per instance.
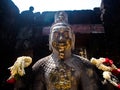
[61, 46]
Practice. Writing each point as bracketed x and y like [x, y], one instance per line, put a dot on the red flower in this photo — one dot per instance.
[118, 86]
[11, 80]
[108, 61]
[116, 71]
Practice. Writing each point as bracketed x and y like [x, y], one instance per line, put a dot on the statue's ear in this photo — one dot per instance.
[73, 41]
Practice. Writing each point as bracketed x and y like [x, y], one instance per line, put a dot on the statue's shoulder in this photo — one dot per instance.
[77, 57]
[41, 62]
[82, 60]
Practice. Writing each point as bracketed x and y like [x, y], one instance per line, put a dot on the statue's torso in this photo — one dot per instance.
[63, 75]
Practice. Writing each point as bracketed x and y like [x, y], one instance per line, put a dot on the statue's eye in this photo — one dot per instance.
[56, 34]
[66, 34]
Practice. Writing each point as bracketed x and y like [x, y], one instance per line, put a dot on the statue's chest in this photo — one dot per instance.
[60, 77]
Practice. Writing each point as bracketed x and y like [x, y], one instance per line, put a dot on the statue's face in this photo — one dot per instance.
[61, 39]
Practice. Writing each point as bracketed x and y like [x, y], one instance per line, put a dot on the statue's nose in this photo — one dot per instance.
[61, 38]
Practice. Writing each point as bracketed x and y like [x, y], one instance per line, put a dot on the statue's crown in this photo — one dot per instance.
[61, 19]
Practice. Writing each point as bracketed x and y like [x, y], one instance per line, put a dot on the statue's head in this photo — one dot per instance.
[61, 39]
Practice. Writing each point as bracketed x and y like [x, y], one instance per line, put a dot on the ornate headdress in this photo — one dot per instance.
[61, 19]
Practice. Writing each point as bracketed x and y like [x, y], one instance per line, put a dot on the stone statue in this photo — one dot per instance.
[61, 70]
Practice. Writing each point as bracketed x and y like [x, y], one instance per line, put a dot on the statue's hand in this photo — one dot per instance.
[19, 65]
